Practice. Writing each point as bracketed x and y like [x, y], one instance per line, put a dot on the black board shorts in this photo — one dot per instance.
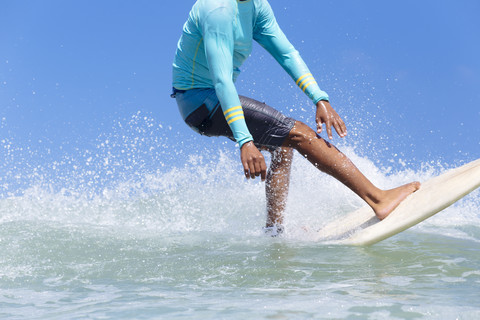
[268, 126]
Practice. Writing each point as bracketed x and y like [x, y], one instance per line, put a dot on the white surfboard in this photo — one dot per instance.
[362, 227]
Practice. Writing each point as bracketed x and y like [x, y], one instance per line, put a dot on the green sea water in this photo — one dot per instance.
[188, 244]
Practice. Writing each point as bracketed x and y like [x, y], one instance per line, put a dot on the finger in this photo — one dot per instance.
[246, 171]
[264, 170]
[344, 127]
[258, 169]
[328, 124]
[252, 169]
[338, 128]
[319, 125]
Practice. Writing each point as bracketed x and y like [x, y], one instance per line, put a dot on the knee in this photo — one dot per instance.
[281, 158]
[283, 154]
[300, 134]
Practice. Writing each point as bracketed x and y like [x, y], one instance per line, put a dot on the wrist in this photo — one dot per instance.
[321, 103]
[324, 97]
[248, 142]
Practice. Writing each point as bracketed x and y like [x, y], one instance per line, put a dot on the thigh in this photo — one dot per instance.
[268, 126]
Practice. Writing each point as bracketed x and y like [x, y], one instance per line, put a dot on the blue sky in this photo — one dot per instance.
[405, 76]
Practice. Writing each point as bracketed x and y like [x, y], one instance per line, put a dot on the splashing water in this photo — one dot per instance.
[138, 221]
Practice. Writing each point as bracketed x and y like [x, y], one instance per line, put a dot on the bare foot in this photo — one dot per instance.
[390, 199]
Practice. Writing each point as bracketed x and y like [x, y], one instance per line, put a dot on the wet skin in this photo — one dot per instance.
[323, 156]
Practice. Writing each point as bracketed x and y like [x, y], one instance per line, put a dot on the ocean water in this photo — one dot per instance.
[87, 242]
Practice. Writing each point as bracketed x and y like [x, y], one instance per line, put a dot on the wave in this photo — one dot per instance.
[144, 177]
[209, 194]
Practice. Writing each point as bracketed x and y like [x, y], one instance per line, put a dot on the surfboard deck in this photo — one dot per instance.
[362, 227]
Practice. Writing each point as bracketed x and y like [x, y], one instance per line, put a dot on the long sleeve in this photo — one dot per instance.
[219, 43]
[269, 35]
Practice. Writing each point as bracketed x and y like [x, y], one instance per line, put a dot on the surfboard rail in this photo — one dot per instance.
[361, 227]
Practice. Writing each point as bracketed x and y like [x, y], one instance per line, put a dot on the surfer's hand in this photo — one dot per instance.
[253, 161]
[326, 114]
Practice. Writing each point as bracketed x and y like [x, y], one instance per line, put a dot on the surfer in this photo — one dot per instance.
[216, 40]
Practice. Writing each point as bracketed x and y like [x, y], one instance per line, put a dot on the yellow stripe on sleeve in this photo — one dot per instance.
[232, 109]
[235, 119]
[300, 79]
[313, 82]
[234, 114]
[305, 81]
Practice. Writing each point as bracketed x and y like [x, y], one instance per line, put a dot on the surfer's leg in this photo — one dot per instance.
[329, 159]
[276, 186]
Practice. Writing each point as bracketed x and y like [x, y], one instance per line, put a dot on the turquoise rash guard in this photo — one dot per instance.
[217, 39]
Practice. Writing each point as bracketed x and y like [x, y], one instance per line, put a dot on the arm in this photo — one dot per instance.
[218, 43]
[269, 35]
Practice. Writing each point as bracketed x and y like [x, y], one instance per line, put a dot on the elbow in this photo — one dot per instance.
[223, 85]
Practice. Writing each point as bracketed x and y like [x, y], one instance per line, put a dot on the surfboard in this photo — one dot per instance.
[362, 227]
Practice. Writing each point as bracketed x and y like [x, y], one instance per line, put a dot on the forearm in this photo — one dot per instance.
[233, 111]
[294, 65]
